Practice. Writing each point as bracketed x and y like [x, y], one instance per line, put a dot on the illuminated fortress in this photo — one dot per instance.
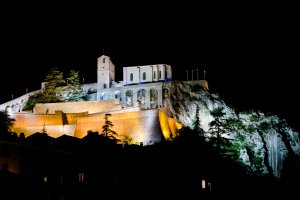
[136, 106]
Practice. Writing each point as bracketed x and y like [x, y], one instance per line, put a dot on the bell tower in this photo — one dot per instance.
[105, 72]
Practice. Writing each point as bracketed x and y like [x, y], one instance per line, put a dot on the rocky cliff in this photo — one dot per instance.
[262, 142]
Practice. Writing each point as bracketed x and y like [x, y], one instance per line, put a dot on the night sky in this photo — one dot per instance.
[250, 56]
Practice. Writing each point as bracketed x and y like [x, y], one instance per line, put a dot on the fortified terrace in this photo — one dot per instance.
[136, 105]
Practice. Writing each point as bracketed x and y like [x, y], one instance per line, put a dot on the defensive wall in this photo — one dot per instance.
[77, 118]
[78, 107]
[17, 104]
[140, 125]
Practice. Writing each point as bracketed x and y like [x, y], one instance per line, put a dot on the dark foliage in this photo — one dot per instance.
[167, 169]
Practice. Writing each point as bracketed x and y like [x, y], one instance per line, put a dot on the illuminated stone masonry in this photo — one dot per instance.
[132, 102]
[141, 84]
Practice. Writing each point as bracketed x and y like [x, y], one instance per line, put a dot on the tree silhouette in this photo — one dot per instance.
[196, 122]
[107, 131]
[221, 127]
[5, 124]
[128, 140]
[216, 126]
[44, 129]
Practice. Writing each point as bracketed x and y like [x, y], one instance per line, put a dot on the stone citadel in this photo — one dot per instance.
[136, 105]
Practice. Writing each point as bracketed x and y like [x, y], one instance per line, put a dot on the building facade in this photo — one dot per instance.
[133, 103]
[141, 84]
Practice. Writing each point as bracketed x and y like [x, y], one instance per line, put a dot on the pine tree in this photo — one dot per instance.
[44, 129]
[107, 132]
[53, 89]
[73, 91]
[5, 123]
[216, 126]
[196, 122]
[221, 126]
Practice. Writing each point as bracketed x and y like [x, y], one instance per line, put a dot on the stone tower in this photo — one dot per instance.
[105, 72]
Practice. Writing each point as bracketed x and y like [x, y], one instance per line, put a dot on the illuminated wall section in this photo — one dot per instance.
[29, 119]
[52, 130]
[169, 126]
[163, 121]
[141, 126]
[78, 107]
[29, 123]
[203, 83]
[174, 125]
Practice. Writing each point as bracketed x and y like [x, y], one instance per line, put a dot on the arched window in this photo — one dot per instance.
[144, 75]
[154, 75]
[104, 96]
[159, 74]
[131, 76]
[117, 95]
[103, 60]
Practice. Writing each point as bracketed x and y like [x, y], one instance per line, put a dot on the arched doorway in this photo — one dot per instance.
[104, 96]
[153, 98]
[141, 97]
[129, 98]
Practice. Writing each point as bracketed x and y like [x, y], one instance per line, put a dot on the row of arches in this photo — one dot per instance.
[15, 106]
[147, 99]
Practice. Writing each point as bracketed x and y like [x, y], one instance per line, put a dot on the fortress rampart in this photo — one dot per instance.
[136, 105]
[76, 107]
[141, 126]
[77, 118]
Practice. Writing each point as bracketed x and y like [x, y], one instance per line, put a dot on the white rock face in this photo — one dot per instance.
[266, 140]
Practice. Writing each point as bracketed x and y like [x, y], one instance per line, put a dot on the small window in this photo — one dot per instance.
[154, 75]
[203, 184]
[45, 179]
[131, 76]
[81, 177]
[144, 75]
[159, 75]
[103, 60]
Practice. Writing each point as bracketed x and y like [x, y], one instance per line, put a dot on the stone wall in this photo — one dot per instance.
[78, 107]
[141, 126]
[53, 124]
[114, 93]
[30, 119]
[54, 131]
[17, 104]
[146, 74]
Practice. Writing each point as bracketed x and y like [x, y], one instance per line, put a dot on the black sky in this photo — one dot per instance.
[250, 55]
